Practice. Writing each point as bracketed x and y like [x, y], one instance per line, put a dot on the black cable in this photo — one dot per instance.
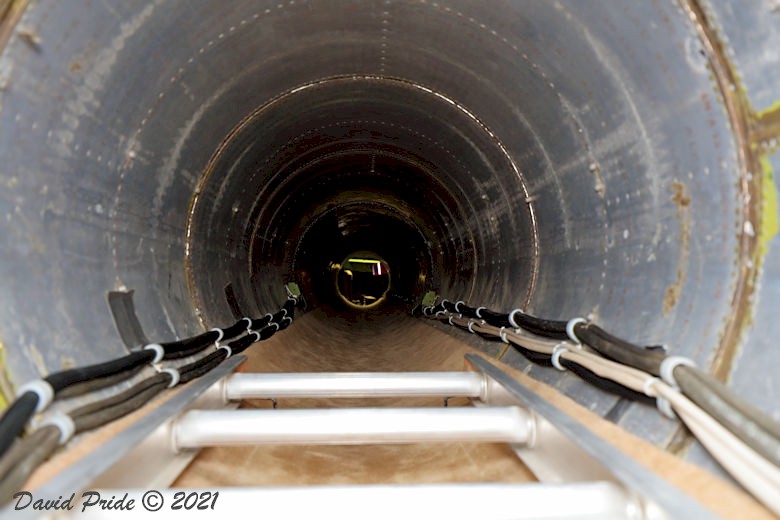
[180, 354]
[247, 341]
[173, 349]
[259, 323]
[584, 373]
[279, 316]
[236, 329]
[202, 366]
[187, 347]
[92, 385]
[533, 356]
[22, 447]
[541, 327]
[197, 367]
[15, 419]
[620, 350]
[757, 430]
[106, 410]
[73, 382]
[119, 398]
[647, 359]
[62, 380]
[26, 455]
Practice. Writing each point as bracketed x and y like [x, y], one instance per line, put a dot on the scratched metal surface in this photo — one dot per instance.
[111, 110]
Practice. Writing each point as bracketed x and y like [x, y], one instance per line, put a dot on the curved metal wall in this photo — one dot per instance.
[567, 157]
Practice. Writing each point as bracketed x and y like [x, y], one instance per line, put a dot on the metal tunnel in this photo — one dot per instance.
[611, 160]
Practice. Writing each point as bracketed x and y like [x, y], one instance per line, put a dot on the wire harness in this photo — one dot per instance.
[19, 456]
[743, 439]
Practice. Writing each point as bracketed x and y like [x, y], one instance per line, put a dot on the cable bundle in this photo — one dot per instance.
[24, 455]
[742, 438]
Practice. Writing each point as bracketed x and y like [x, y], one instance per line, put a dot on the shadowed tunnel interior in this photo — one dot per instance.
[567, 158]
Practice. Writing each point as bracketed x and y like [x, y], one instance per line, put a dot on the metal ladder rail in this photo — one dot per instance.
[569, 459]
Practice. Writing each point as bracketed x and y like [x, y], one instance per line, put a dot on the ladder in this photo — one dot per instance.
[580, 474]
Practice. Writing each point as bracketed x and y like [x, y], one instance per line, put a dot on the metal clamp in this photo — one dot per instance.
[65, 424]
[662, 403]
[559, 349]
[159, 352]
[669, 364]
[570, 329]
[175, 375]
[40, 387]
[248, 323]
[511, 317]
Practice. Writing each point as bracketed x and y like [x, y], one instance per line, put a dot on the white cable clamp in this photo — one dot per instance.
[512, 321]
[284, 311]
[288, 318]
[175, 376]
[559, 349]
[570, 329]
[662, 403]
[228, 349]
[40, 387]
[441, 313]
[221, 334]
[665, 407]
[469, 327]
[502, 334]
[457, 303]
[248, 323]
[159, 352]
[480, 309]
[275, 325]
[668, 365]
[257, 335]
[63, 422]
[450, 320]
[648, 384]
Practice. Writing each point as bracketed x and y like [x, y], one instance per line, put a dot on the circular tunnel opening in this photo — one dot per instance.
[348, 164]
[362, 279]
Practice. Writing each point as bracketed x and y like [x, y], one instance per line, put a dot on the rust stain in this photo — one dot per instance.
[742, 120]
[31, 37]
[752, 132]
[10, 13]
[682, 200]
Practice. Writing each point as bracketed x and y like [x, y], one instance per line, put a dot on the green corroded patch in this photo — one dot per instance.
[429, 299]
[770, 219]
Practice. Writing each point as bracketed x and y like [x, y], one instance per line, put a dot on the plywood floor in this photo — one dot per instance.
[370, 342]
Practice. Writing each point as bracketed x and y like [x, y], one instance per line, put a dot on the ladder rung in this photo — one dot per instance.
[354, 384]
[583, 500]
[201, 428]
